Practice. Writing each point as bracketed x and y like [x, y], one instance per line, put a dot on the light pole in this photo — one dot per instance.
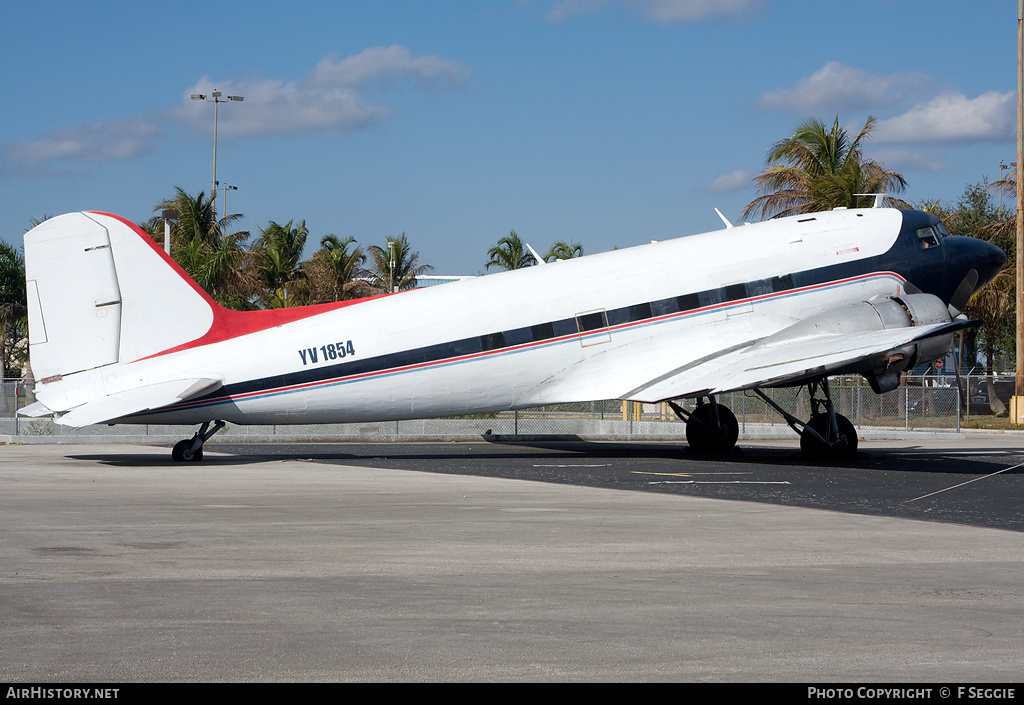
[168, 216]
[216, 98]
[227, 187]
[390, 251]
[1003, 167]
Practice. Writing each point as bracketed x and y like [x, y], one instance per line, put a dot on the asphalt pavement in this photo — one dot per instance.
[487, 562]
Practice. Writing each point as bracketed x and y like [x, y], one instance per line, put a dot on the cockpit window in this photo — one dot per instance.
[928, 237]
[942, 230]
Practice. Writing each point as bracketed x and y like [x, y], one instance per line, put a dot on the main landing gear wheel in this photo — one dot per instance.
[838, 443]
[819, 438]
[712, 428]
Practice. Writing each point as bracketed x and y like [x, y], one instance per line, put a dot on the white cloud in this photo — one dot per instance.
[952, 117]
[660, 11]
[389, 64]
[835, 88]
[734, 181]
[904, 159]
[273, 106]
[97, 142]
[671, 11]
[565, 9]
[328, 100]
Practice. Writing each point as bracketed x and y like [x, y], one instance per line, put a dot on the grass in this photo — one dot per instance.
[991, 422]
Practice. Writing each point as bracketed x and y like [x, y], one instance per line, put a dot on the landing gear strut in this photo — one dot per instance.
[827, 434]
[191, 449]
[710, 428]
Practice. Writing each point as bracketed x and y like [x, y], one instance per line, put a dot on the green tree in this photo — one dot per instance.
[975, 214]
[818, 168]
[275, 264]
[394, 265]
[33, 222]
[335, 272]
[994, 304]
[13, 309]
[510, 253]
[563, 250]
[217, 261]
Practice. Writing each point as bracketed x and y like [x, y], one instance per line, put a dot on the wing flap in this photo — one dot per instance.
[135, 400]
[760, 365]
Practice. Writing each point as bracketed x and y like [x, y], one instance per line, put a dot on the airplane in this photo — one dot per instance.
[118, 333]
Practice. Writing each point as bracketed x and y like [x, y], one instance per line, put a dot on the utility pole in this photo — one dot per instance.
[1017, 403]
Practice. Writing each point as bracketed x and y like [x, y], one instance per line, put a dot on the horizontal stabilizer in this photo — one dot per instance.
[136, 400]
[35, 410]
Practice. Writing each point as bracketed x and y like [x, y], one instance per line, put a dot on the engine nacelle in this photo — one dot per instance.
[883, 371]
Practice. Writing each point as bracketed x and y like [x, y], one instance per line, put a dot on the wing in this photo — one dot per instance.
[767, 364]
[127, 402]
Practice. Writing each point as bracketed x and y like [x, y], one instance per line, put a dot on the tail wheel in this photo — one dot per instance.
[182, 452]
[843, 446]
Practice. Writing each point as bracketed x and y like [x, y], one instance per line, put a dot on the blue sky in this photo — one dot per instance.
[605, 122]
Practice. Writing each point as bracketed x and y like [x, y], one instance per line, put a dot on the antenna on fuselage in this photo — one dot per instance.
[537, 257]
[879, 198]
[724, 219]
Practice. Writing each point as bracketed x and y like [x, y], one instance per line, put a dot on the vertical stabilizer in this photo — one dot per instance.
[100, 292]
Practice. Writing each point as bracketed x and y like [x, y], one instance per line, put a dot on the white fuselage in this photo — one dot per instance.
[435, 351]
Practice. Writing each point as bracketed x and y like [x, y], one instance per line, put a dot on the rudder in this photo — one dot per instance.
[100, 292]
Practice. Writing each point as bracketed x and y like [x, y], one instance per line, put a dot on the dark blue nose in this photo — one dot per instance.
[970, 264]
[988, 260]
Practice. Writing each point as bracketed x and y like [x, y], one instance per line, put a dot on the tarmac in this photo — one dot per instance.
[120, 566]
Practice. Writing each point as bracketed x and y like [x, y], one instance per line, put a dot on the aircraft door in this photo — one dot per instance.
[593, 327]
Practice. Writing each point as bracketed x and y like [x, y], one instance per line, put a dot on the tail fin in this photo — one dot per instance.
[100, 292]
[102, 295]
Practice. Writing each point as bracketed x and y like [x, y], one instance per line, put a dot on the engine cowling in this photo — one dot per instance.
[883, 371]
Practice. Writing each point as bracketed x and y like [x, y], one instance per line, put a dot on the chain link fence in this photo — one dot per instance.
[913, 407]
[928, 403]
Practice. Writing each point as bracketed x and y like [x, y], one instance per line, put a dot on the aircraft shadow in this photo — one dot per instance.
[910, 459]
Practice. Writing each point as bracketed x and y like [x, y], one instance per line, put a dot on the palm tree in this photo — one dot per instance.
[335, 272]
[33, 222]
[976, 215]
[995, 303]
[993, 306]
[217, 261]
[275, 263]
[823, 170]
[394, 265]
[510, 253]
[13, 306]
[1004, 233]
[564, 250]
